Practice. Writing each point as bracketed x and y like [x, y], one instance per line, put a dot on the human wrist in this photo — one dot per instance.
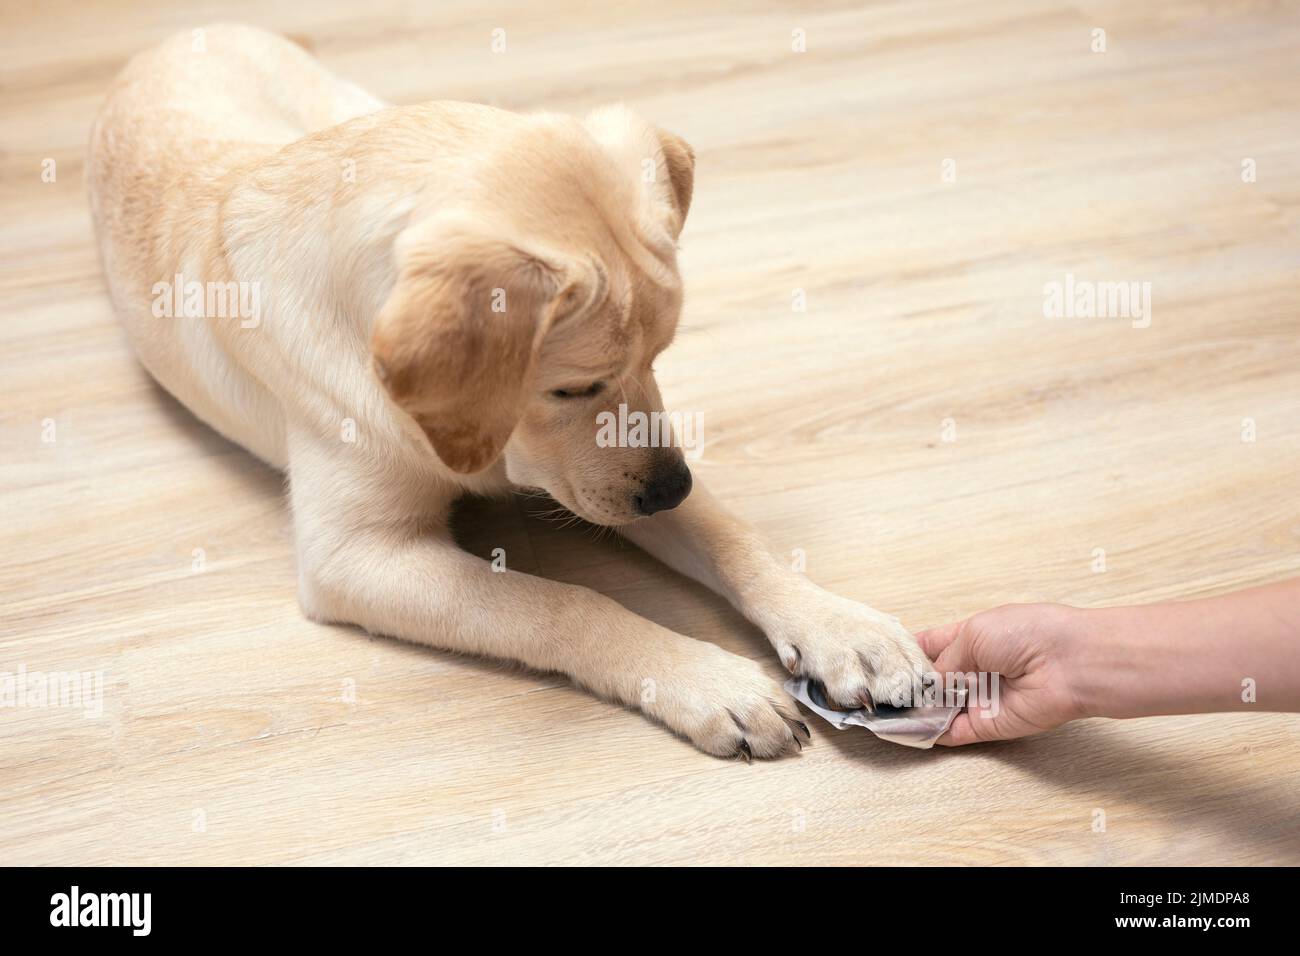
[1146, 661]
[1103, 663]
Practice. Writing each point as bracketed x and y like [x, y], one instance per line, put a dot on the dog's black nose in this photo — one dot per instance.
[666, 489]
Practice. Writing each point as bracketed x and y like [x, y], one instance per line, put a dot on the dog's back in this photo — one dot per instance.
[177, 122]
[184, 113]
[217, 95]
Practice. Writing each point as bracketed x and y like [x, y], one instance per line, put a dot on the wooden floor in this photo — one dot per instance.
[138, 544]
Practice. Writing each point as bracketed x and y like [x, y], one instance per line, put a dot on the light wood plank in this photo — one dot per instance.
[817, 171]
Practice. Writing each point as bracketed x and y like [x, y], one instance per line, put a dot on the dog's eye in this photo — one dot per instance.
[595, 388]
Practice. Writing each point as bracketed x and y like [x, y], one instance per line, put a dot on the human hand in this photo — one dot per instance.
[1035, 649]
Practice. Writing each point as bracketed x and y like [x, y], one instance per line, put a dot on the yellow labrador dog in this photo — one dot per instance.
[398, 305]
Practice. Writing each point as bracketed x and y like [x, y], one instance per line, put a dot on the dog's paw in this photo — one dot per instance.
[726, 705]
[861, 657]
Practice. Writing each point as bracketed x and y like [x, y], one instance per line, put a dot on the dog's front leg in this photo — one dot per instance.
[859, 654]
[421, 587]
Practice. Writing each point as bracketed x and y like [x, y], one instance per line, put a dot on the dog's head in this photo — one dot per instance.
[523, 314]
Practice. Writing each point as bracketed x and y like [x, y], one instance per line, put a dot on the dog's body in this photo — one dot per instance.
[447, 295]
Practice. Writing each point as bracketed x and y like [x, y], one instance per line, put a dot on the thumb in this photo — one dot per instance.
[958, 656]
[934, 640]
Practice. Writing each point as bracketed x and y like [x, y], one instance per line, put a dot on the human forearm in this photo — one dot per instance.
[1192, 656]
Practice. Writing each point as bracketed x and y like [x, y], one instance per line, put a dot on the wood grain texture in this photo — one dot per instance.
[234, 731]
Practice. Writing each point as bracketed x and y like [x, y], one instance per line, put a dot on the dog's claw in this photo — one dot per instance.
[745, 751]
[796, 727]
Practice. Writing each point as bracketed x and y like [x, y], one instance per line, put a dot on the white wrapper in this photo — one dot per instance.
[910, 726]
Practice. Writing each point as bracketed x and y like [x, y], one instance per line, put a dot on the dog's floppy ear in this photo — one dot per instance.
[662, 162]
[679, 164]
[456, 341]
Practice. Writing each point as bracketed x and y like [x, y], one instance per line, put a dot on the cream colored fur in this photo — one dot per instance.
[381, 241]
